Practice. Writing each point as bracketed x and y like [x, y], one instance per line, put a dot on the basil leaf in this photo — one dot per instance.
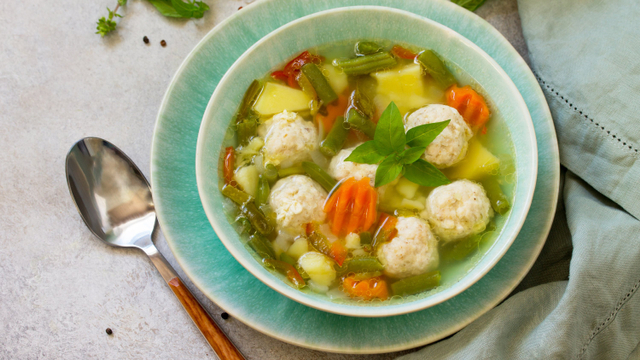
[365, 154]
[389, 136]
[423, 135]
[425, 174]
[411, 155]
[190, 9]
[165, 8]
[470, 5]
[388, 170]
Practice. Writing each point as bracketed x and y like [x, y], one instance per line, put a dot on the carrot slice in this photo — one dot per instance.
[359, 205]
[371, 211]
[469, 104]
[338, 252]
[342, 208]
[335, 109]
[403, 53]
[366, 289]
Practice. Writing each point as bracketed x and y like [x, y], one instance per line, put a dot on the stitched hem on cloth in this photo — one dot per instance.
[609, 319]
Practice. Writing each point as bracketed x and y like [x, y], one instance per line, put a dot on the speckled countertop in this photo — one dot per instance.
[60, 288]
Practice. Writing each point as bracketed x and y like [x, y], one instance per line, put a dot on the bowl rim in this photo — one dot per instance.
[251, 265]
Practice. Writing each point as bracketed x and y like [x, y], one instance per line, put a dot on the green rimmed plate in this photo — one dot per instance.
[223, 280]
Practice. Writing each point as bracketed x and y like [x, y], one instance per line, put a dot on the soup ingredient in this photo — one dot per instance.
[335, 139]
[261, 246]
[458, 210]
[434, 66]
[319, 83]
[246, 118]
[386, 230]
[245, 154]
[341, 168]
[229, 164]
[247, 178]
[499, 201]
[404, 86]
[318, 175]
[367, 289]
[416, 284]
[366, 48]
[352, 207]
[288, 137]
[363, 264]
[270, 173]
[389, 146]
[469, 104]
[298, 248]
[478, 164]
[403, 53]
[288, 270]
[319, 268]
[366, 64]
[470, 5]
[319, 241]
[337, 79]
[450, 146]
[248, 208]
[413, 251]
[407, 188]
[361, 123]
[262, 195]
[293, 170]
[276, 98]
[297, 200]
[290, 72]
[333, 111]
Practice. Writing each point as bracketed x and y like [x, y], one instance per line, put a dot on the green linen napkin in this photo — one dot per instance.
[586, 56]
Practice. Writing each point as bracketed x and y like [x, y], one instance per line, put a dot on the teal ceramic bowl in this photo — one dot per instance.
[352, 24]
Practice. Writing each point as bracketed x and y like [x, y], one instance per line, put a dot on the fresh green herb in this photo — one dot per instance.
[470, 5]
[171, 8]
[389, 148]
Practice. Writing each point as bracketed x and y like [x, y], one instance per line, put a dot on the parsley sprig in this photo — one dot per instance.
[399, 153]
[170, 8]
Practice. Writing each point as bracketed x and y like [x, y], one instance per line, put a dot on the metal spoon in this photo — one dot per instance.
[114, 199]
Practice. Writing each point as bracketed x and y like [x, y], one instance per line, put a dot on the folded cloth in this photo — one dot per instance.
[586, 56]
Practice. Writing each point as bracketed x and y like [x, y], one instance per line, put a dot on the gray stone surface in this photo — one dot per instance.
[59, 287]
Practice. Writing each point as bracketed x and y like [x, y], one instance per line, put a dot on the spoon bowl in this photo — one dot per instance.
[114, 199]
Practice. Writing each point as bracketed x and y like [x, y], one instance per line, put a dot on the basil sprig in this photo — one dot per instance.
[399, 153]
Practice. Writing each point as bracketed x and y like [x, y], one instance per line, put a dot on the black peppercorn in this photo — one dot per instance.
[163, 43]
[224, 315]
[109, 331]
[145, 39]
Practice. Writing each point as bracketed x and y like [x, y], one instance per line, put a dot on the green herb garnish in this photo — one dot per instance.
[171, 8]
[470, 5]
[389, 149]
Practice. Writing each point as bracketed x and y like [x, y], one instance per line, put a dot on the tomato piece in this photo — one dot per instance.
[280, 75]
[403, 53]
[470, 105]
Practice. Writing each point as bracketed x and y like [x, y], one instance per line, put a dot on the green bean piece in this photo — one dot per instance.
[366, 48]
[286, 269]
[362, 96]
[236, 195]
[359, 122]
[257, 218]
[246, 129]
[271, 173]
[288, 259]
[416, 284]
[335, 139]
[244, 226]
[367, 64]
[319, 83]
[432, 63]
[318, 175]
[294, 170]
[364, 264]
[317, 240]
[302, 272]
[461, 249]
[365, 238]
[249, 99]
[262, 195]
[498, 199]
[261, 246]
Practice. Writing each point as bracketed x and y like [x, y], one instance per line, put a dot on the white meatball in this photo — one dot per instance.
[340, 169]
[451, 145]
[288, 138]
[297, 200]
[413, 251]
[458, 210]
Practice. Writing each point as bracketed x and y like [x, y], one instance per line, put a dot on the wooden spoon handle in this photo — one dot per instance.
[223, 347]
[216, 338]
